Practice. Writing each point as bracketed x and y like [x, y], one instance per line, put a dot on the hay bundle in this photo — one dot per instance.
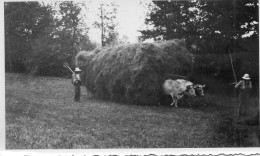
[133, 73]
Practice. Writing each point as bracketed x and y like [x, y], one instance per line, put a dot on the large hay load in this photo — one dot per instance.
[133, 73]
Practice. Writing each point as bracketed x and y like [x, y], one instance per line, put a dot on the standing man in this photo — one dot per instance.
[245, 85]
[76, 81]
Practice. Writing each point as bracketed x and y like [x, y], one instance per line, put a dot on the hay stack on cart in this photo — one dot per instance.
[133, 73]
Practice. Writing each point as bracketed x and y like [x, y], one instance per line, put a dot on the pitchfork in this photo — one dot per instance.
[66, 65]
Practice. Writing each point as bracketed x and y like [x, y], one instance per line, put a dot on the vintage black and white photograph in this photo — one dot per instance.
[131, 74]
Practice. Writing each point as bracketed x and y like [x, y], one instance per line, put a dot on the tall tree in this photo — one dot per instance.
[67, 30]
[204, 24]
[61, 44]
[23, 23]
[40, 37]
[107, 23]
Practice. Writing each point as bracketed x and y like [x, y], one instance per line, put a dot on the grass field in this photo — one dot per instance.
[41, 114]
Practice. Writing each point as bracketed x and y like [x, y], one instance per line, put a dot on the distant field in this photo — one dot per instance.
[41, 114]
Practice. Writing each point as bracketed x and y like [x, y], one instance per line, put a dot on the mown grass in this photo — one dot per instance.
[41, 114]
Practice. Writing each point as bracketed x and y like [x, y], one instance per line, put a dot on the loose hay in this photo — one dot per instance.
[133, 73]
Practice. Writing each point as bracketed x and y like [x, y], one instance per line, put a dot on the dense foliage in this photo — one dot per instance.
[213, 30]
[206, 25]
[39, 39]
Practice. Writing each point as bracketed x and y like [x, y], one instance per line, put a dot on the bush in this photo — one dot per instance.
[133, 73]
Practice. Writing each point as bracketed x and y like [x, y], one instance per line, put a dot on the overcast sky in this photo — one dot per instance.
[130, 18]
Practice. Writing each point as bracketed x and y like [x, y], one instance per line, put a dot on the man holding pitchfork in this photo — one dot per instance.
[245, 85]
[76, 81]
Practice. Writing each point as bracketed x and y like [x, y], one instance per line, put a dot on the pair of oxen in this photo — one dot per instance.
[180, 87]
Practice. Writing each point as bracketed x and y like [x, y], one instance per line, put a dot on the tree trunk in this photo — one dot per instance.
[234, 35]
[9, 55]
[74, 43]
[102, 27]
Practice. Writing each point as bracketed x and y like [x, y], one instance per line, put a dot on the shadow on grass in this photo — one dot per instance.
[239, 131]
[231, 130]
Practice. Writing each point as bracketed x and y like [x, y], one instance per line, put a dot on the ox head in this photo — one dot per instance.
[199, 89]
[190, 91]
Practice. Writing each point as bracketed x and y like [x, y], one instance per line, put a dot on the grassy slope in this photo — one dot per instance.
[40, 113]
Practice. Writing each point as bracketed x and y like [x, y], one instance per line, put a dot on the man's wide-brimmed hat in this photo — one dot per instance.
[246, 77]
[77, 69]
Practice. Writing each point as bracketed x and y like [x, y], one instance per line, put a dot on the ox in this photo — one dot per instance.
[199, 91]
[198, 87]
[178, 88]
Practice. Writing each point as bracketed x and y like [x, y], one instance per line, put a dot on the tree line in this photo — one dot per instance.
[40, 37]
[207, 26]
[215, 32]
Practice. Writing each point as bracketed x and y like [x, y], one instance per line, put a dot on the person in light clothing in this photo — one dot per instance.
[76, 81]
[245, 85]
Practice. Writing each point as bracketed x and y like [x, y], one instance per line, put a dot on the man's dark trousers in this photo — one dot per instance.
[77, 91]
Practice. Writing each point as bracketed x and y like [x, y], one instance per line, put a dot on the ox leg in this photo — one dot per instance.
[173, 100]
[176, 103]
[177, 98]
